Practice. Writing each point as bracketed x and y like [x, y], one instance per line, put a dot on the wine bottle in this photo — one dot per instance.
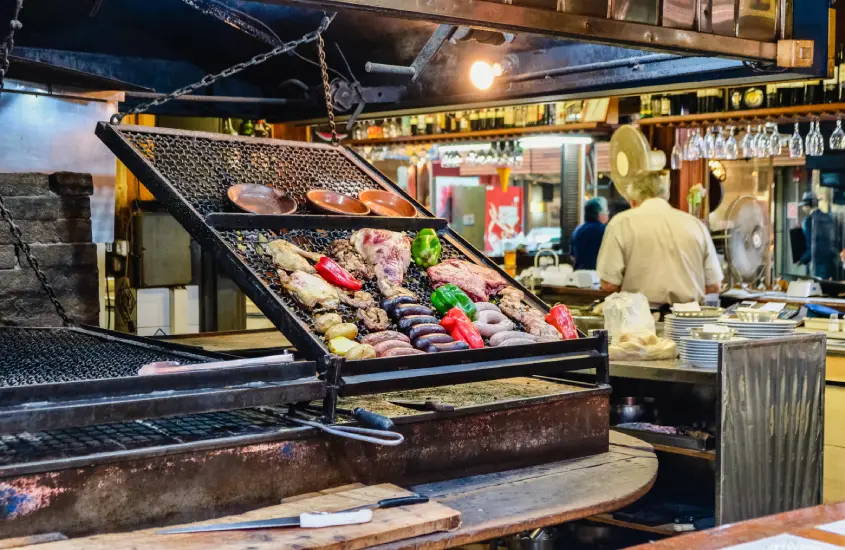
[508, 120]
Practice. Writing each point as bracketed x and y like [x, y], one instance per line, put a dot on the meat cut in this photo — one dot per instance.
[387, 251]
[477, 281]
[310, 290]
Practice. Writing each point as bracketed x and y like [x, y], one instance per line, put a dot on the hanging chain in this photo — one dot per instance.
[17, 237]
[327, 92]
[9, 43]
[210, 79]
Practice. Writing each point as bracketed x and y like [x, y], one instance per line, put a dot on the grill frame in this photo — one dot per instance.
[49, 406]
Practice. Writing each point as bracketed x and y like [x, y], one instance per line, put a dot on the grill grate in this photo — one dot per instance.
[51, 355]
[246, 244]
[75, 442]
[202, 169]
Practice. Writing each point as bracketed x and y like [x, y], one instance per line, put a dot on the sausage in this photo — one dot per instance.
[398, 352]
[491, 317]
[405, 323]
[384, 347]
[454, 346]
[403, 310]
[500, 337]
[426, 329]
[384, 336]
[516, 342]
[486, 306]
[389, 303]
[424, 341]
[488, 330]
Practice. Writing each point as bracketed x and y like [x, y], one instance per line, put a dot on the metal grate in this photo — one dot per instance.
[75, 442]
[202, 169]
[246, 244]
[50, 355]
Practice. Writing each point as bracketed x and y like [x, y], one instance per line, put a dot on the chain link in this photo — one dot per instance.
[17, 237]
[327, 92]
[210, 79]
[8, 43]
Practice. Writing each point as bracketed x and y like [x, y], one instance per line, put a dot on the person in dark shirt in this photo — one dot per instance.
[586, 240]
[820, 236]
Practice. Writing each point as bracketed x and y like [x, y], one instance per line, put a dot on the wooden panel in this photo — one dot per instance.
[387, 526]
[835, 368]
[834, 416]
[834, 474]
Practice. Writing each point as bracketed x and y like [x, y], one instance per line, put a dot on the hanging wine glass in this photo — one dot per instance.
[731, 146]
[809, 145]
[719, 146]
[748, 144]
[761, 143]
[796, 144]
[710, 143]
[837, 138]
[677, 152]
[699, 144]
[818, 140]
[692, 150]
[773, 139]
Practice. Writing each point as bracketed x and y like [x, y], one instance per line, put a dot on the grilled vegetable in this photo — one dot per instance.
[426, 329]
[341, 345]
[379, 337]
[461, 328]
[426, 249]
[346, 330]
[361, 351]
[404, 310]
[409, 321]
[560, 318]
[325, 321]
[453, 346]
[336, 275]
[424, 341]
[389, 304]
[448, 296]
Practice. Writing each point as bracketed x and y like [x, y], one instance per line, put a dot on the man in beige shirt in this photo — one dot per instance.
[657, 250]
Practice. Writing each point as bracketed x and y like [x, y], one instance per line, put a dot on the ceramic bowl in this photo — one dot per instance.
[335, 203]
[385, 203]
[260, 199]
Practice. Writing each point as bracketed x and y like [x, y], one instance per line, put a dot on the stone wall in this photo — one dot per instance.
[53, 212]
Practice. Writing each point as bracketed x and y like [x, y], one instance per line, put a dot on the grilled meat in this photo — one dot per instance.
[288, 256]
[346, 255]
[387, 251]
[533, 319]
[374, 318]
[391, 290]
[477, 281]
[310, 290]
[379, 337]
[358, 300]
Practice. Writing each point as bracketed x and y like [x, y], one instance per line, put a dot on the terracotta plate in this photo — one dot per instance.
[335, 203]
[385, 203]
[260, 199]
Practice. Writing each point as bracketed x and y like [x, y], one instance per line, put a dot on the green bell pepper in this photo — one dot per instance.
[426, 249]
[449, 296]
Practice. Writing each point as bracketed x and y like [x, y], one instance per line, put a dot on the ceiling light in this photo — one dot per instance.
[482, 74]
[551, 142]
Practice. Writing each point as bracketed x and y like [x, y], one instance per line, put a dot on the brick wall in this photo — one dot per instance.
[54, 214]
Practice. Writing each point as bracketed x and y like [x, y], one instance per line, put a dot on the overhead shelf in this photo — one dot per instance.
[489, 135]
[828, 110]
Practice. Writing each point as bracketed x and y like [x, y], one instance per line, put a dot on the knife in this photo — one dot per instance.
[350, 516]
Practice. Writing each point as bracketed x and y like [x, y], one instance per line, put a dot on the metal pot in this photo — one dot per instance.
[538, 539]
[631, 409]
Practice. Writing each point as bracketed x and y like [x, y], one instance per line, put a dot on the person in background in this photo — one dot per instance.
[586, 240]
[819, 230]
[657, 250]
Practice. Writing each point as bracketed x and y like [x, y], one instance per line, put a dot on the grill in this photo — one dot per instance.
[48, 356]
[124, 436]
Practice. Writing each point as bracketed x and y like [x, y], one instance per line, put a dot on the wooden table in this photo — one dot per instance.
[801, 523]
[496, 505]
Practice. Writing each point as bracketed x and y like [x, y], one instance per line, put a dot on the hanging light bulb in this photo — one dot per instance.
[482, 74]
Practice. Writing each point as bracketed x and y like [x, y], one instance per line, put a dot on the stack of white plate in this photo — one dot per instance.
[761, 330]
[703, 354]
[675, 328]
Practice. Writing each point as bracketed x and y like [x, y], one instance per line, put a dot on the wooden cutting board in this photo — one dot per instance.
[387, 526]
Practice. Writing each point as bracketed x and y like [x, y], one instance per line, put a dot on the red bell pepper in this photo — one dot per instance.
[460, 327]
[560, 318]
[336, 275]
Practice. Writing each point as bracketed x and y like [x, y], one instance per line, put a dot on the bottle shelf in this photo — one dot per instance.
[823, 111]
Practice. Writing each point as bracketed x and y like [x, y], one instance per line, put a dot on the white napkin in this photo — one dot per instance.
[692, 306]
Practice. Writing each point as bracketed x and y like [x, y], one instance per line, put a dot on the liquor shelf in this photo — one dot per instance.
[828, 110]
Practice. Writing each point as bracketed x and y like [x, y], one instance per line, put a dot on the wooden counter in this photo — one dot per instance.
[802, 523]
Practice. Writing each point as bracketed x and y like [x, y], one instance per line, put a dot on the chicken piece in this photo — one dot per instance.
[374, 318]
[288, 256]
[390, 290]
[358, 300]
[477, 281]
[542, 330]
[310, 290]
[388, 252]
[346, 255]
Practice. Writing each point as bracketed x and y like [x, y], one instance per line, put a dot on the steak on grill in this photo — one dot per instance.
[477, 281]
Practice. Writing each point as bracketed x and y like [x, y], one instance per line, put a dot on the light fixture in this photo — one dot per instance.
[551, 142]
[482, 74]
